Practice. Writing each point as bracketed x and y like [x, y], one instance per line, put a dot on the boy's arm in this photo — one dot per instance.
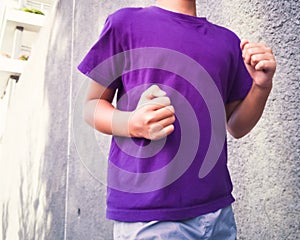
[153, 118]
[243, 115]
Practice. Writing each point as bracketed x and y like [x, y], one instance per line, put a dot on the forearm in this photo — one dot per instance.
[104, 117]
[152, 119]
[248, 112]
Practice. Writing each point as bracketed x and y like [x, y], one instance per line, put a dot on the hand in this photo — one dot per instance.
[154, 115]
[260, 63]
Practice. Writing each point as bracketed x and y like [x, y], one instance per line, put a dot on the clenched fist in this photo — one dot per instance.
[260, 62]
[154, 115]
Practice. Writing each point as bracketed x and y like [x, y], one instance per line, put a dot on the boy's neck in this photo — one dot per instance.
[187, 7]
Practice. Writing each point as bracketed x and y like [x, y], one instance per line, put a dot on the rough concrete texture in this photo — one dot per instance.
[265, 164]
[52, 164]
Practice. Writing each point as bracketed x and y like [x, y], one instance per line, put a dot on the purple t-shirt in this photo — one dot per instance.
[199, 65]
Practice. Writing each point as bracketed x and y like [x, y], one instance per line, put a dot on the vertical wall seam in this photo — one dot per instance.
[69, 119]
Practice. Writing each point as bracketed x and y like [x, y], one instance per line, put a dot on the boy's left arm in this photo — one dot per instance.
[243, 115]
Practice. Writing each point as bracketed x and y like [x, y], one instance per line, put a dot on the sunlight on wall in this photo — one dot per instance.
[24, 201]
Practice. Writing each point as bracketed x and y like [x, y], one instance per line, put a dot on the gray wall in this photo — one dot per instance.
[51, 179]
[265, 164]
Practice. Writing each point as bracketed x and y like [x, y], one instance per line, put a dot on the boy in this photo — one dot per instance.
[155, 189]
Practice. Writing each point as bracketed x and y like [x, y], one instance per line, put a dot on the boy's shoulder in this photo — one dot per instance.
[132, 15]
[225, 32]
[125, 14]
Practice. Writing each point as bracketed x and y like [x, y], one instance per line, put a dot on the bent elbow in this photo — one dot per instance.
[88, 113]
[236, 133]
[85, 117]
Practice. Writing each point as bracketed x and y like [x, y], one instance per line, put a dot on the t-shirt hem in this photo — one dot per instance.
[168, 214]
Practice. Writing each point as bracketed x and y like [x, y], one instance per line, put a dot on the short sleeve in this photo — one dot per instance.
[100, 63]
[241, 81]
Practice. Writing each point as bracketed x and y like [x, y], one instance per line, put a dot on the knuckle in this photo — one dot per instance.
[173, 119]
[171, 129]
[167, 100]
[262, 64]
[144, 95]
[147, 119]
[254, 58]
[171, 109]
[154, 131]
[154, 128]
[250, 51]
[148, 92]
[247, 59]
[154, 87]
[262, 44]
[162, 101]
[268, 49]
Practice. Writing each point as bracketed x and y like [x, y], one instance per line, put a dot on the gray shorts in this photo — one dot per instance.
[219, 225]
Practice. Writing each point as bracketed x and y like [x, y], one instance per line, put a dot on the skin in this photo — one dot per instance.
[187, 7]
[154, 115]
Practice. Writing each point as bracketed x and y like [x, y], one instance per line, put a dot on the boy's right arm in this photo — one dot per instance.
[152, 119]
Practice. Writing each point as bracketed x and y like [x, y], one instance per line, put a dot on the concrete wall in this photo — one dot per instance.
[51, 181]
[265, 164]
